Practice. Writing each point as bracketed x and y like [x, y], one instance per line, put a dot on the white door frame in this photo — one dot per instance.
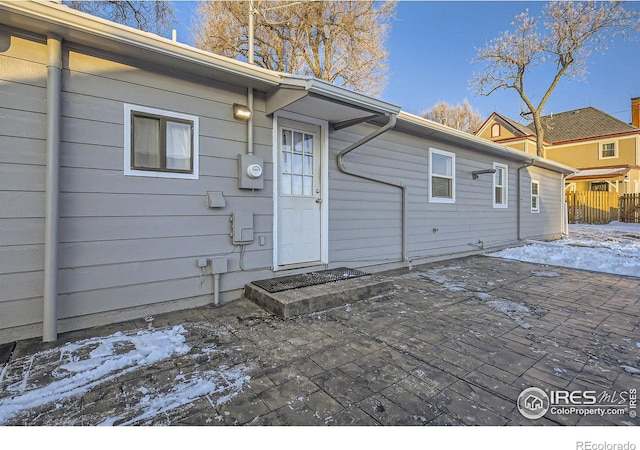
[324, 181]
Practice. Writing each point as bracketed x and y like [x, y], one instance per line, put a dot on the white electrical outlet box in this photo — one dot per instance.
[202, 262]
[219, 265]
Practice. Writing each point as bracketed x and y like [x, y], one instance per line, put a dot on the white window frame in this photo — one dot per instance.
[504, 186]
[496, 130]
[601, 149]
[536, 209]
[452, 199]
[128, 167]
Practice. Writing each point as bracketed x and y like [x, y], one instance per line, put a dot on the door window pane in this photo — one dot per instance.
[286, 140]
[286, 162]
[297, 142]
[308, 165]
[296, 187]
[307, 186]
[308, 143]
[285, 184]
[297, 164]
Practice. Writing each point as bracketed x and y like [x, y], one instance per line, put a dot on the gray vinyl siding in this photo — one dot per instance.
[129, 245]
[133, 241]
[548, 222]
[125, 241]
[365, 217]
[22, 180]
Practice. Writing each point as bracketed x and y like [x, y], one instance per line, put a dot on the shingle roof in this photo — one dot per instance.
[581, 123]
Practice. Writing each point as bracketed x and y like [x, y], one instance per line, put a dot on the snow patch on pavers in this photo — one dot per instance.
[51, 377]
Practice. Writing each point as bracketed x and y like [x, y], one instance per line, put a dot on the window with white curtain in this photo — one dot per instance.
[160, 143]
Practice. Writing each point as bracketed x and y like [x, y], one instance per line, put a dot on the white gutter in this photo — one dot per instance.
[76, 26]
[430, 128]
[54, 89]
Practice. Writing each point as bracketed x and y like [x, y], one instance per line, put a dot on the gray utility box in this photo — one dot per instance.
[250, 172]
[242, 227]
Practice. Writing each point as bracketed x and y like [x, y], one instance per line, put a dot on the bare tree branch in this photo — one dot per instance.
[572, 31]
[338, 41]
[154, 16]
[461, 116]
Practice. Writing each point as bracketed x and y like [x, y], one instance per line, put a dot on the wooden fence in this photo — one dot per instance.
[592, 207]
[629, 207]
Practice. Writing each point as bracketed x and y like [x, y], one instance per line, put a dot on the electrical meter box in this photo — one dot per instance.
[250, 172]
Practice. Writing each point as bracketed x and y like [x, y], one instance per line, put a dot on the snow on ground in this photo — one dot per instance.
[612, 248]
[76, 368]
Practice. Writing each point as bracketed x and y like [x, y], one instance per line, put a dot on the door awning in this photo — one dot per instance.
[322, 100]
[607, 172]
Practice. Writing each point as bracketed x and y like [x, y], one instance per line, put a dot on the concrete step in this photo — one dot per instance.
[306, 300]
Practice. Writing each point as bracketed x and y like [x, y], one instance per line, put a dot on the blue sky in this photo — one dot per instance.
[432, 43]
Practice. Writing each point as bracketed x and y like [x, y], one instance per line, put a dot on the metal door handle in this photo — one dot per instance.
[318, 200]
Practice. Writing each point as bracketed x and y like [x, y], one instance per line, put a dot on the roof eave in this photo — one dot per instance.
[85, 29]
[435, 129]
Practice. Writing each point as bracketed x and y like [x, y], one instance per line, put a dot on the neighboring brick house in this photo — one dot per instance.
[605, 149]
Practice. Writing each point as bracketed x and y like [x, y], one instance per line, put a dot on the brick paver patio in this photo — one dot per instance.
[455, 343]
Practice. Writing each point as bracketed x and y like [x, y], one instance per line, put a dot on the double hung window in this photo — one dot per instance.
[535, 196]
[442, 174]
[500, 185]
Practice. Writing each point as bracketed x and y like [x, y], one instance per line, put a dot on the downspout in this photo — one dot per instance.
[54, 89]
[564, 215]
[250, 122]
[519, 214]
[250, 60]
[340, 160]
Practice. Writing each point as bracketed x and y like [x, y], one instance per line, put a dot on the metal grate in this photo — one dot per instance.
[308, 279]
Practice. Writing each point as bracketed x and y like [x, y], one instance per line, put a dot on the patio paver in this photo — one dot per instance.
[454, 343]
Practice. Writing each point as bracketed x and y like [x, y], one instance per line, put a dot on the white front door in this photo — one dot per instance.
[299, 215]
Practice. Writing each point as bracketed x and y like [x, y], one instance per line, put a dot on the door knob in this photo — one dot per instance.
[318, 200]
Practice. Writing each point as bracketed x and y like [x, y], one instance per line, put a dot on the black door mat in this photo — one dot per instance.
[308, 279]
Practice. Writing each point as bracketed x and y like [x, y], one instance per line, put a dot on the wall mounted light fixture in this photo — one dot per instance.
[241, 112]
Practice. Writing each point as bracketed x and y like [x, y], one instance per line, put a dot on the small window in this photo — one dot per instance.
[442, 170]
[495, 130]
[599, 186]
[608, 150]
[535, 196]
[160, 143]
[500, 186]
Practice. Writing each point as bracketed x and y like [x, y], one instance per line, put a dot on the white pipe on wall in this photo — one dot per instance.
[54, 89]
[250, 122]
[216, 289]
